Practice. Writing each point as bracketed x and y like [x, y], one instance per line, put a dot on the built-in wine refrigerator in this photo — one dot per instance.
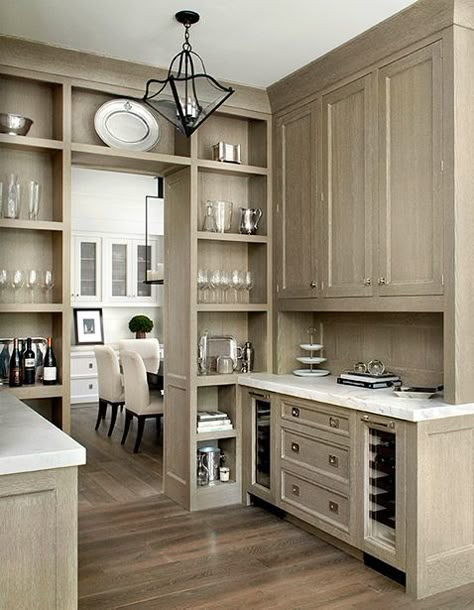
[384, 488]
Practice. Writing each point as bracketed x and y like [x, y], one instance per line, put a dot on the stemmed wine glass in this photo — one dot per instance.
[225, 285]
[203, 284]
[17, 281]
[32, 280]
[236, 283]
[4, 279]
[215, 284]
[48, 284]
[248, 282]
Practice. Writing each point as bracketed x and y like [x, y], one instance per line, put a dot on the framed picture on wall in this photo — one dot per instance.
[88, 326]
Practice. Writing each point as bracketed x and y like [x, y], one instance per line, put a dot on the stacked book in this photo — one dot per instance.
[373, 382]
[213, 421]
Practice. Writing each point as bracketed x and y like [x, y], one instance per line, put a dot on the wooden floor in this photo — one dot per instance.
[139, 550]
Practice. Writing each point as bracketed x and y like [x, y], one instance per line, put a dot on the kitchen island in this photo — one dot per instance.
[389, 479]
[38, 510]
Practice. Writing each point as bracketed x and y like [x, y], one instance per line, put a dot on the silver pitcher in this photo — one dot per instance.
[249, 219]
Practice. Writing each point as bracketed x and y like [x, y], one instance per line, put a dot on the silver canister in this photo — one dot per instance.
[225, 365]
[248, 357]
[227, 153]
[209, 458]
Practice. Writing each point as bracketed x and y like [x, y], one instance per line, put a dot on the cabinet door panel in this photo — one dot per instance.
[410, 175]
[87, 261]
[348, 129]
[297, 167]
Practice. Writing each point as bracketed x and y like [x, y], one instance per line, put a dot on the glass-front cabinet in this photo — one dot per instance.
[86, 280]
[382, 450]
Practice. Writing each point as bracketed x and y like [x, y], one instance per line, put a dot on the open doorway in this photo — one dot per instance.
[109, 261]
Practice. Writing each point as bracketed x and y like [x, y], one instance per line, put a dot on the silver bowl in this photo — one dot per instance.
[15, 124]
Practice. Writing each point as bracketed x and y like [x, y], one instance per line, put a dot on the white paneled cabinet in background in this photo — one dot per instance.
[111, 270]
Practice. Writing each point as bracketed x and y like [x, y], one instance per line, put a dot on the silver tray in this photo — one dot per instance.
[126, 124]
[220, 345]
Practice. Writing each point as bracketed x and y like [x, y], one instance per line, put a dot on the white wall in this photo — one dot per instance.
[106, 203]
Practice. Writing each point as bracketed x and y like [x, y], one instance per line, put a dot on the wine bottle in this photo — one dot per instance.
[15, 379]
[50, 370]
[29, 364]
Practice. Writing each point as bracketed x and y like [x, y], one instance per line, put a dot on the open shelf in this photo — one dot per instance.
[87, 100]
[250, 133]
[211, 380]
[91, 155]
[31, 307]
[37, 391]
[33, 225]
[232, 307]
[28, 143]
[215, 436]
[237, 237]
[232, 169]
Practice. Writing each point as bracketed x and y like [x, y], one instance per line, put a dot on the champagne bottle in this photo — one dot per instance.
[50, 370]
[29, 364]
[15, 379]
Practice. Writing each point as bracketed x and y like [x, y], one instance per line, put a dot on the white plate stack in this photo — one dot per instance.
[312, 361]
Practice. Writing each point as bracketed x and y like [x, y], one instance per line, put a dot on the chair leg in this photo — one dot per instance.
[128, 419]
[141, 427]
[101, 413]
[113, 419]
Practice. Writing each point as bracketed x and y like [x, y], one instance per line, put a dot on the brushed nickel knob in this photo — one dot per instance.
[367, 281]
[313, 284]
[382, 281]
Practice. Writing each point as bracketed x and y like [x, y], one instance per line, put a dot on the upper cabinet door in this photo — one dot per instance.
[87, 263]
[410, 114]
[296, 170]
[348, 186]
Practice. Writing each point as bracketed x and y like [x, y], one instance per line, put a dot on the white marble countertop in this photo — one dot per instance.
[378, 402]
[28, 442]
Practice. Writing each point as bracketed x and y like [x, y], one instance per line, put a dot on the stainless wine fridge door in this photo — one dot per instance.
[262, 442]
[383, 455]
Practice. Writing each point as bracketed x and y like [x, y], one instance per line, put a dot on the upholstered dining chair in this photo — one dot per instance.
[110, 384]
[137, 396]
[149, 350]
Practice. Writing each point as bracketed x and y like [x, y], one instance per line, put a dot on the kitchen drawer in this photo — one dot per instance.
[317, 415]
[83, 366]
[316, 500]
[84, 390]
[316, 454]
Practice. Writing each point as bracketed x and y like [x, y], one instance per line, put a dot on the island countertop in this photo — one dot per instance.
[377, 402]
[28, 442]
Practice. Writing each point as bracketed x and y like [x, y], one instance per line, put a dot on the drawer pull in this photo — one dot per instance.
[91, 387]
[334, 422]
[295, 447]
[91, 365]
[295, 490]
[367, 420]
[295, 412]
[334, 507]
[333, 460]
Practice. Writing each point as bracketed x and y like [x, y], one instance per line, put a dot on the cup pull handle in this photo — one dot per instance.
[334, 422]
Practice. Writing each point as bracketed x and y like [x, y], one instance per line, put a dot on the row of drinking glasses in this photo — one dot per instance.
[221, 286]
[36, 283]
[11, 198]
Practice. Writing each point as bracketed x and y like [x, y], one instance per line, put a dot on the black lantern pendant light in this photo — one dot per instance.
[188, 95]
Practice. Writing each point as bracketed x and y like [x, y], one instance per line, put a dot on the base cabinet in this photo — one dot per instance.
[402, 492]
[38, 540]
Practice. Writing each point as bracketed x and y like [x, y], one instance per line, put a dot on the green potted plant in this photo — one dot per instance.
[140, 325]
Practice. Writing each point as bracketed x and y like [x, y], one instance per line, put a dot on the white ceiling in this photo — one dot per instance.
[254, 42]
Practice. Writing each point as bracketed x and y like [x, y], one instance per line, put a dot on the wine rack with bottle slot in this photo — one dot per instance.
[382, 481]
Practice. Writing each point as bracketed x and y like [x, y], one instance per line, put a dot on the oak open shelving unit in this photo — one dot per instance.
[62, 104]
